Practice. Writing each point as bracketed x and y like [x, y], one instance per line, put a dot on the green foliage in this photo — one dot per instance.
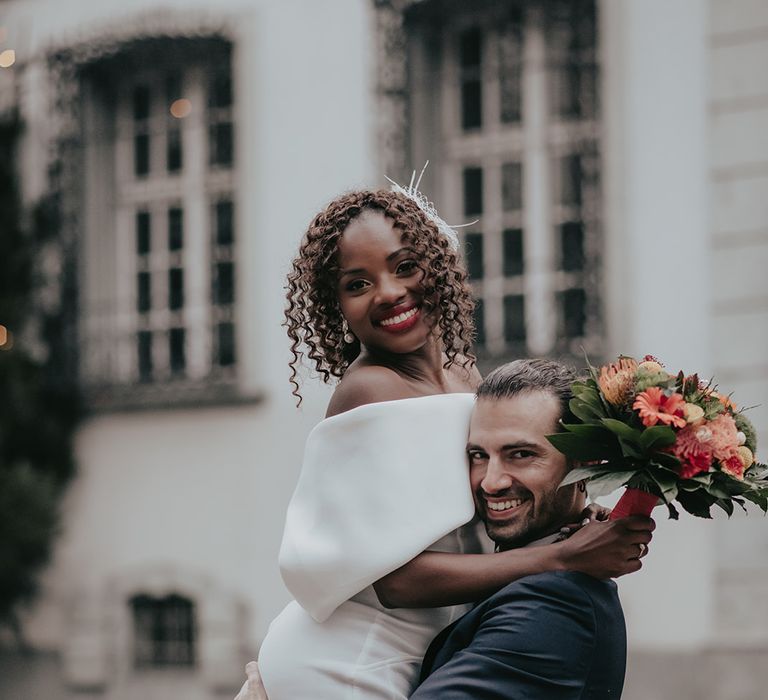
[645, 379]
[745, 425]
[39, 408]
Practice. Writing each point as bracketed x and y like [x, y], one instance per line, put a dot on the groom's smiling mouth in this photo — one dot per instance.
[503, 507]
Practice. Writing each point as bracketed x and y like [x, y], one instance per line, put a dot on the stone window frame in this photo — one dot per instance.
[66, 65]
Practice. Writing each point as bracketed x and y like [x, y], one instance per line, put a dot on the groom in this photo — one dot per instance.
[549, 636]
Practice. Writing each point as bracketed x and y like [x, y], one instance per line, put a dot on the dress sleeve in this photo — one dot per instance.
[378, 485]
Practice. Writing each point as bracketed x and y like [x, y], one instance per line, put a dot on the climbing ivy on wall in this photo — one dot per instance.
[39, 405]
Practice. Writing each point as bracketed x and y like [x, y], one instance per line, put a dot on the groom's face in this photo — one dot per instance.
[515, 471]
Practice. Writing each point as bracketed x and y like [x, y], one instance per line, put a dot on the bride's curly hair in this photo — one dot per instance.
[313, 315]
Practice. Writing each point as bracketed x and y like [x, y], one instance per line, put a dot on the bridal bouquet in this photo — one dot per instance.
[668, 437]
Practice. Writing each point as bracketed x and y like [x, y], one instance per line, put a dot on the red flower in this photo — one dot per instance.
[654, 406]
[695, 463]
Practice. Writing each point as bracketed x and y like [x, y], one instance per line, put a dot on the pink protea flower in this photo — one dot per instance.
[654, 406]
[725, 436]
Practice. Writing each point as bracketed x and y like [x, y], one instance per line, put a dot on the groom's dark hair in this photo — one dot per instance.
[524, 376]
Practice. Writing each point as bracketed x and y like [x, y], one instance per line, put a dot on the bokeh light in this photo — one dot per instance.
[7, 58]
[6, 338]
[181, 108]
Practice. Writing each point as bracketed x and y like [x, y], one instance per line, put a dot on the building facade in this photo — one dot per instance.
[610, 157]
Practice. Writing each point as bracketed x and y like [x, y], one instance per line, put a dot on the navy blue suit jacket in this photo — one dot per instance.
[552, 636]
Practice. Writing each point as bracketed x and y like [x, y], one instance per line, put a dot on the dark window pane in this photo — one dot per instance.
[571, 42]
[471, 104]
[220, 135]
[224, 284]
[513, 252]
[473, 191]
[176, 350]
[144, 348]
[175, 228]
[470, 48]
[224, 223]
[479, 315]
[141, 102]
[512, 186]
[572, 246]
[144, 292]
[163, 631]
[143, 232]
[141, 154]
[570, 180]
[173, 88]
[173, 151]
[470, 60]
[225, 333]
[473, 247]
[514, 318]
[573, 313]
[175, 288]
[511, 72]
[221, 91]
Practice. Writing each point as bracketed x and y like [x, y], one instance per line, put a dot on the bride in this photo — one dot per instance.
[381, 549]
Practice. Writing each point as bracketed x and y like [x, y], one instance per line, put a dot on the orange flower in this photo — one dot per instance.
[655, 407]
[617, 380]
[733, 466]
[725, 400]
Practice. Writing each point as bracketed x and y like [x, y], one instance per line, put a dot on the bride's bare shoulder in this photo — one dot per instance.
[367, 384]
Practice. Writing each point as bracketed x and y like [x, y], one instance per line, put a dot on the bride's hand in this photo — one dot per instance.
[608, 549]
[593, 512]
[253, 688]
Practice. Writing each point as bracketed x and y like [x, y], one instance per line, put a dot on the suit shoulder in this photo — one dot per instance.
[570, 586]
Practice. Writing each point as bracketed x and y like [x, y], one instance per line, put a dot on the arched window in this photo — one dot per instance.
[164, 631]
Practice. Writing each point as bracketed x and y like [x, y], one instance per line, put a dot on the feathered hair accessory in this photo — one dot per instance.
[421, 201]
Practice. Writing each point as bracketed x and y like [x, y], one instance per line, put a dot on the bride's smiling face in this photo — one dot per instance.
[380, 286]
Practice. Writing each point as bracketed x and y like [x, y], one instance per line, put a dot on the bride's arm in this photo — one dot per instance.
[433, 579]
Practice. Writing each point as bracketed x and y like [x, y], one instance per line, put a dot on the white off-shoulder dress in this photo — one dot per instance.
[379, 484]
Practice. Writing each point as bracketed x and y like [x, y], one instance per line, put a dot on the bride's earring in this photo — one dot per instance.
[348, 337]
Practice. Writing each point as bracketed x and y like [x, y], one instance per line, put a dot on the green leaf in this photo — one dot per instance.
[726, 505]
[668, 461]
[581, 473]
[630, 448]
[697, 503]
[578, 448]
[622, 430]
[584, 411]
[667, 484]
[759, 499]
[656, 437]
[608, 483]
[591, 432]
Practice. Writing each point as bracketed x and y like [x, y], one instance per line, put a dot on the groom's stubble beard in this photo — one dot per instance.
[544, 516]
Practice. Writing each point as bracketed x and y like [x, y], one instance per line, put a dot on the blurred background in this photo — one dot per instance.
[159, 162]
